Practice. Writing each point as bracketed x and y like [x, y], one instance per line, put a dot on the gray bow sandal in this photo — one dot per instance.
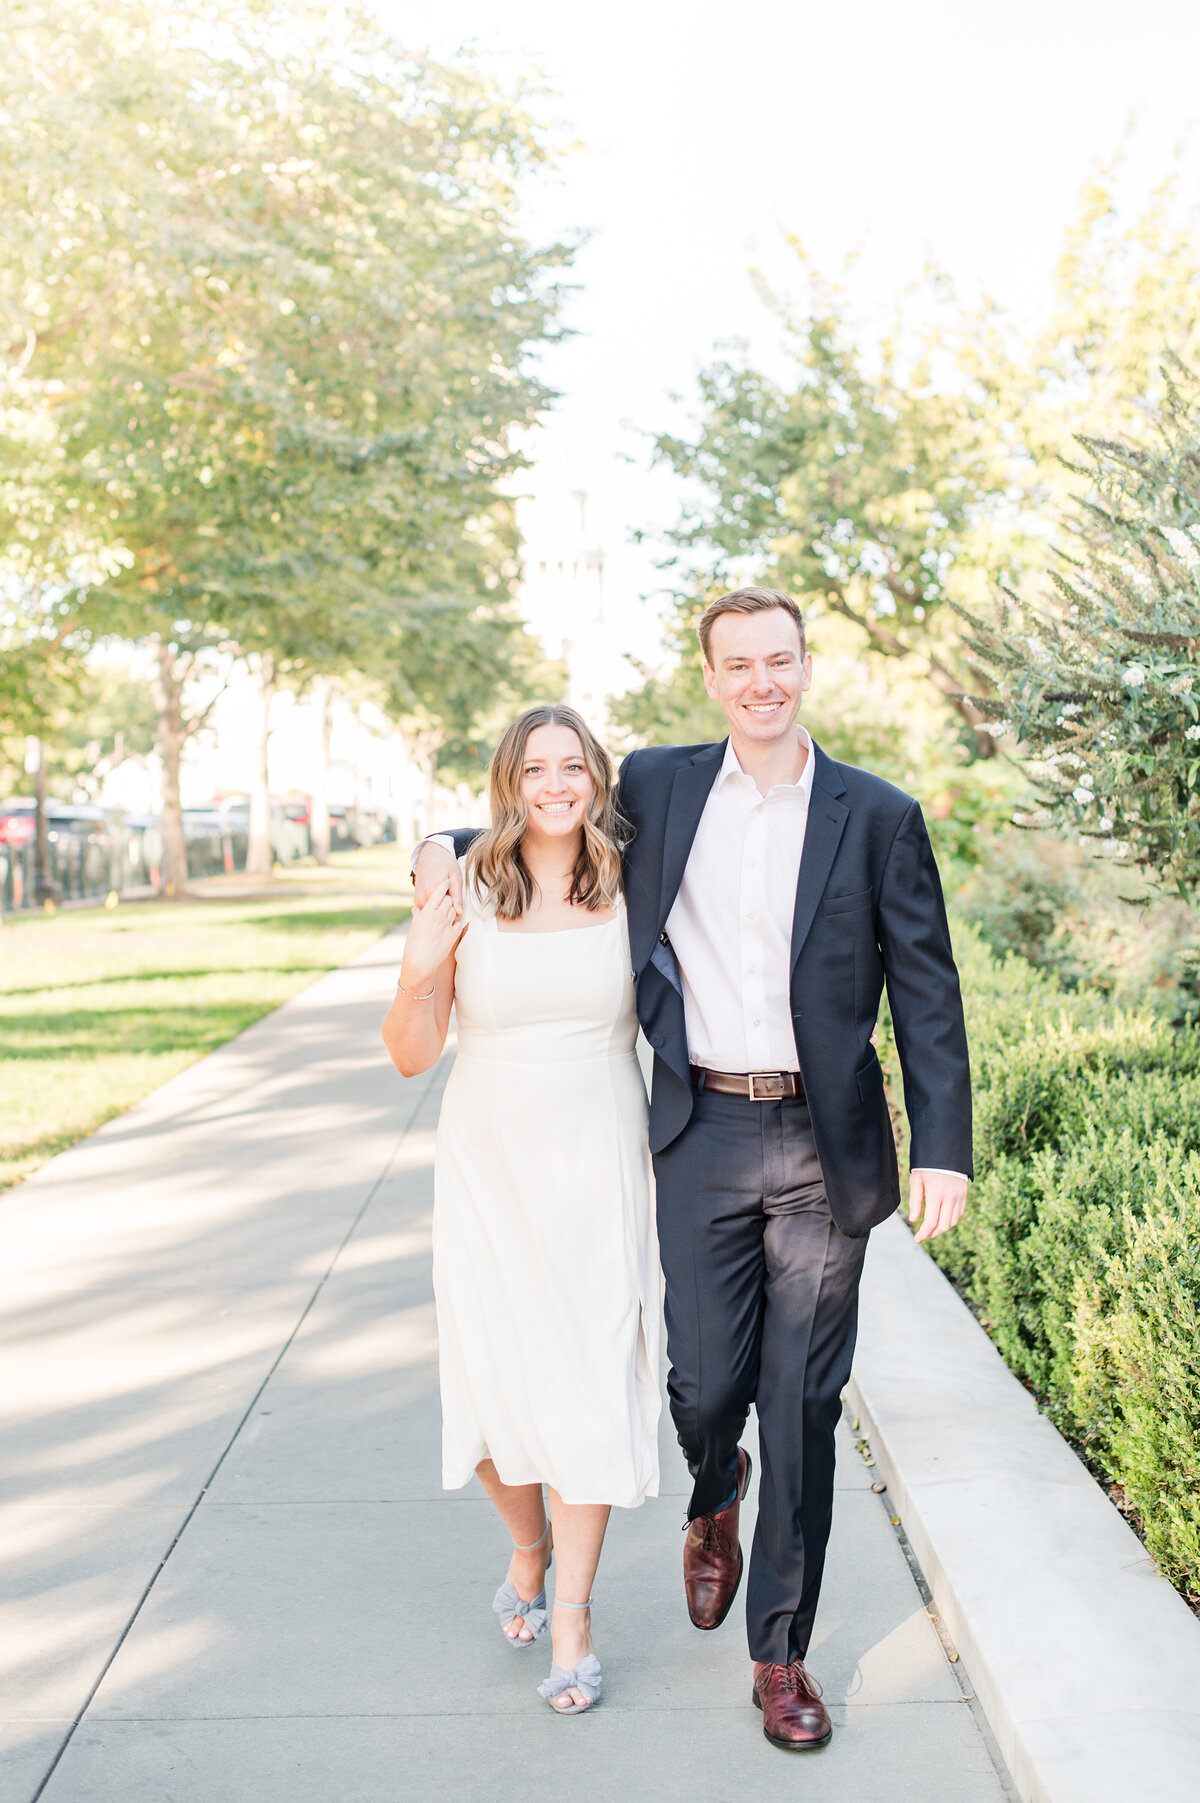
[586, 1676]
[508, 1604]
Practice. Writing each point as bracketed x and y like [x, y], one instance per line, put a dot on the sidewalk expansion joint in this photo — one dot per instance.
[967, 1695]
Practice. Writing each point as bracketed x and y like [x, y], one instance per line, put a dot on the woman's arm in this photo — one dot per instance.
[414, 1030]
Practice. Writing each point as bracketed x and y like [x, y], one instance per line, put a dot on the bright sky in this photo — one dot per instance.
[903, 132]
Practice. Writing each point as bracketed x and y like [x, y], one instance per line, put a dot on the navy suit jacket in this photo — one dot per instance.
[869, 911]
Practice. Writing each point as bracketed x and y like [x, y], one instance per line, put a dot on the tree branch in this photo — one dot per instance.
[944, 681]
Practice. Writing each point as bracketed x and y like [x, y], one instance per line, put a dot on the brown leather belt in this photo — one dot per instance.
[756, 1086]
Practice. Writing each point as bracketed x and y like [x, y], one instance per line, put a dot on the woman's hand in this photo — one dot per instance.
[433, 934]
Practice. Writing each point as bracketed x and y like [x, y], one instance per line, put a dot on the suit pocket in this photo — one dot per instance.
[870, 1080]
[847, 904]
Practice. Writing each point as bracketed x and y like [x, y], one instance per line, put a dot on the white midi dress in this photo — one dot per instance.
[545, 1258]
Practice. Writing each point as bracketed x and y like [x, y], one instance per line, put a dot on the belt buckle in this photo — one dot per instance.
[773, 1090]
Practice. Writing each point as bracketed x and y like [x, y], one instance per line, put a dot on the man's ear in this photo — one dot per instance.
[710, 682]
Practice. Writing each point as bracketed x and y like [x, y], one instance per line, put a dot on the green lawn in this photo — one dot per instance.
[99, 1007]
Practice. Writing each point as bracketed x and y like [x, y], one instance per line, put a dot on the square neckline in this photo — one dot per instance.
[553, 932]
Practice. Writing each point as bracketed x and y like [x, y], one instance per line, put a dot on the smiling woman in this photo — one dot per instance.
[542, 1182]
[551, 792]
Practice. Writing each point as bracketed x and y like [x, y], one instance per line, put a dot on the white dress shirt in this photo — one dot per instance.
[730, 926]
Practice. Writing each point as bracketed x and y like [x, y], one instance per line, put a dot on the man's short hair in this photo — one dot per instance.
[747, 601]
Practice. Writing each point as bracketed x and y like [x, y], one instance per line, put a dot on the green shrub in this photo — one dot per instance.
[1091, 922]
[1080, 1249]
[1136, 1323]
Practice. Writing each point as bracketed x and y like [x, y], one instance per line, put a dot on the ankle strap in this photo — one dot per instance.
[560, 1604]
[533, 1544]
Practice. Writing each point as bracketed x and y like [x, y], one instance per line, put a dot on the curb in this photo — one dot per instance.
[1084, 1658]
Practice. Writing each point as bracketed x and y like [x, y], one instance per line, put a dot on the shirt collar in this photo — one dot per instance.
[730, 768]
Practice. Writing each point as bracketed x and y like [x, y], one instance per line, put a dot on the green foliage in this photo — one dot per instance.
[112, 717]
[886, 483]
[1099, 684]
[869, 487]
[859, 485]
[1094, 924]
[1078, 1247]
[1137, 1329]
[266, 323]
[99, 714]
[41, 658]
[458, 675]
[671, 706]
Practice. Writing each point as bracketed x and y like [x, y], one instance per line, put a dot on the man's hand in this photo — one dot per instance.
[434, 870]
[941, 1195]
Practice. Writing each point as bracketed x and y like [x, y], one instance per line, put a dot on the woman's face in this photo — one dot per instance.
[555, 782]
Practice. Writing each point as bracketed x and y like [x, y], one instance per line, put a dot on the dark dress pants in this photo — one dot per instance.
[762, 1308]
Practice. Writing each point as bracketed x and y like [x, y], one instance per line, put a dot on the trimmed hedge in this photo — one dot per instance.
[1080, 1248]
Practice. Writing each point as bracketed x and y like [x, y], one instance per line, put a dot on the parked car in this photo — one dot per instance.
[92, 851]
[298, 815]
[220, 834]
[213, 844]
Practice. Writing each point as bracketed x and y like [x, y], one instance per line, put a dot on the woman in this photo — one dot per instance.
[545, 1262]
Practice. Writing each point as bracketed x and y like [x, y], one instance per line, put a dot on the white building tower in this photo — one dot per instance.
[562, 597]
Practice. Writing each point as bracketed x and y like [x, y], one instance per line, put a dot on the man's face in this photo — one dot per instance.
[757, 674]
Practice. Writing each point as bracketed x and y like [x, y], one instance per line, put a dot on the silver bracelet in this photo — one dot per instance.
[415, 998]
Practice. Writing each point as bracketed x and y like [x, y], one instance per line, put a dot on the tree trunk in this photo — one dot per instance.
[171, 737]
[259, 856]
[44, 891]
[323, 691]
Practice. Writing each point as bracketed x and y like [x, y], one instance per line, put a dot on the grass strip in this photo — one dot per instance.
[98, 1007]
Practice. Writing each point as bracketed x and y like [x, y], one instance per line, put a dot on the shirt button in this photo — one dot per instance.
[755, 1023]
[752, 970]
[759, 808]
[750, 915]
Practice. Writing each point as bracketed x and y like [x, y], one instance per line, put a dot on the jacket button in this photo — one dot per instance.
[655, 1038]
[663, 940]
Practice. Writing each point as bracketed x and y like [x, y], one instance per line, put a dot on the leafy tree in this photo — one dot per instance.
[267, 300]
[671, 708]
[870, 492]
[111, 716]
[42, 675]
[886, 488]
[459, 674]
[1126, 287]
[1099, 681]
[41, 663]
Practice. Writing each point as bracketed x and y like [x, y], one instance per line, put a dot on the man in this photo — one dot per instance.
[771, 893]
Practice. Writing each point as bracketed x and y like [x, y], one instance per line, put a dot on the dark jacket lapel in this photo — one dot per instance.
[689, 792]
[826, 820]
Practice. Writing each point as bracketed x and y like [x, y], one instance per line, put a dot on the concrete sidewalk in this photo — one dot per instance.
[229, 1572]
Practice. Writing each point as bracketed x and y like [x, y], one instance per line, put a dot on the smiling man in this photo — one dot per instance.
[771, 894]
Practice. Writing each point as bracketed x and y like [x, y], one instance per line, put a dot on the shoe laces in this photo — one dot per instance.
[715, 1540]
[800, 1683]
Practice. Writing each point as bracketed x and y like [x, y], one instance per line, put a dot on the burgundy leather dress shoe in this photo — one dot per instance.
[794, 1717]
[712, 1557]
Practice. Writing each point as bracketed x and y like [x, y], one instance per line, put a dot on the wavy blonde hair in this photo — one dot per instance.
[494, 862]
